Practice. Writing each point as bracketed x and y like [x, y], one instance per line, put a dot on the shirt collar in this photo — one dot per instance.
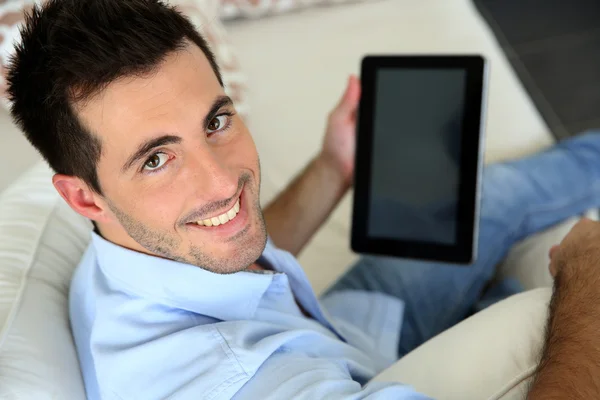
[222, 296]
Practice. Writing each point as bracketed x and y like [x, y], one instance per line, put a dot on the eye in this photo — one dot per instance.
[155, 161]
[218, 123]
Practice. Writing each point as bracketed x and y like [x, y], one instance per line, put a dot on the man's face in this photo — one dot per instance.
[179, 170]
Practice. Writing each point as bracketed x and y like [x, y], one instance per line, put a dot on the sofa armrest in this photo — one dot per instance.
[528, 260]
[491, 355]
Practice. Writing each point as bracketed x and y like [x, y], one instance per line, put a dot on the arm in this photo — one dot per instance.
[570, 363]
[290, 375]
[196, 360]
[296, 214]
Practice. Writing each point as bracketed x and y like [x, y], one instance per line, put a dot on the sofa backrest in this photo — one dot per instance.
[41, 242]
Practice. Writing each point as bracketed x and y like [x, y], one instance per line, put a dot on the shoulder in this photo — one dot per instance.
[182, 358]
[165, 349]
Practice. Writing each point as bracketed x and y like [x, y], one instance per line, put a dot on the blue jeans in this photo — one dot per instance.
[519, 199]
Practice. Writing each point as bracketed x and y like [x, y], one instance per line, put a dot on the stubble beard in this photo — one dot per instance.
[168, 245]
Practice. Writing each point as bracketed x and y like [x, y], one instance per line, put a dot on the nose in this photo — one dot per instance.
[211, 176]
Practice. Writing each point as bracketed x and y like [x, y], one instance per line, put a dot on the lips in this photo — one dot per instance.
[237, 222]
[221, 219]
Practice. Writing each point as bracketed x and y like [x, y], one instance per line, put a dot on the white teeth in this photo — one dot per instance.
[223, 218]
[231, 214]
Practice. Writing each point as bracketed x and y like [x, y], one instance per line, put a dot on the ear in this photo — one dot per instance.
[80, 197]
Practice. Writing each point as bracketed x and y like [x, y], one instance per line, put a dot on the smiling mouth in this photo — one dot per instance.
[221, 219]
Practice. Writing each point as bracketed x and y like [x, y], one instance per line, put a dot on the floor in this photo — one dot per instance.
[554, 45]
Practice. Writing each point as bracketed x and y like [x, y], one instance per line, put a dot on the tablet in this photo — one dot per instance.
[419, 157]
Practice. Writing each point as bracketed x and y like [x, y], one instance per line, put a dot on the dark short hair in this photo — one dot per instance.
[73, 49]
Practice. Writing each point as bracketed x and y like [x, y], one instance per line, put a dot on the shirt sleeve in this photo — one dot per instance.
[288, 375]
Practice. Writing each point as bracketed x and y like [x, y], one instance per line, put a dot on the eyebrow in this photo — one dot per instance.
[146, 147]
[219, 103]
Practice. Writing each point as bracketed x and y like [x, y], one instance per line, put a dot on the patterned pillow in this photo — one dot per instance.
[232, 9]
[203, 13]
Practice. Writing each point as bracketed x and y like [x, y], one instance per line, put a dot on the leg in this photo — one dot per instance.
[519, 199]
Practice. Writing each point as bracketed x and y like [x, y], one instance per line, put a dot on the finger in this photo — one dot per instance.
[553, 251]
[349, 101]
[585, 222]
[355, 96]
[552, 268]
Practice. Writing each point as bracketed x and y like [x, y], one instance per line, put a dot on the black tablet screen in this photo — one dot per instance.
[418, 124]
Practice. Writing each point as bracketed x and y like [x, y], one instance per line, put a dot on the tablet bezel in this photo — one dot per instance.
[464, 251]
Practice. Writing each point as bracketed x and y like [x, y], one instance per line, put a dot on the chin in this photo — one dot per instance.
[246, 250]
[233, 253]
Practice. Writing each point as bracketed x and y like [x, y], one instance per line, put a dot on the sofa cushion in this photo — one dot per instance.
[498, 364]
[41, 242]
[528, 261]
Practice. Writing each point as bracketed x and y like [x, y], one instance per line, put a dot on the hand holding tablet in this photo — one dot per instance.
[419, 157]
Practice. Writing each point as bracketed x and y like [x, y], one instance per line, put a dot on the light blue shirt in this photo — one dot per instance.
[151, 328]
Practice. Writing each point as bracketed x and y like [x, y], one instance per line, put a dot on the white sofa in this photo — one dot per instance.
[296, 66]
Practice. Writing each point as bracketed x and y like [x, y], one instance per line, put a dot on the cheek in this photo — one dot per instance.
[241, 152]
[151, 205]
[143, 201]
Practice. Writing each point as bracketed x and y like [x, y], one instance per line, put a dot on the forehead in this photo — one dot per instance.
[181, 89]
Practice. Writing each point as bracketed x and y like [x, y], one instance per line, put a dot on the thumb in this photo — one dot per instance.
[553, 251]
[349, 101]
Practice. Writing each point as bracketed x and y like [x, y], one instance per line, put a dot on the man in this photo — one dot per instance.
[180, 293]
